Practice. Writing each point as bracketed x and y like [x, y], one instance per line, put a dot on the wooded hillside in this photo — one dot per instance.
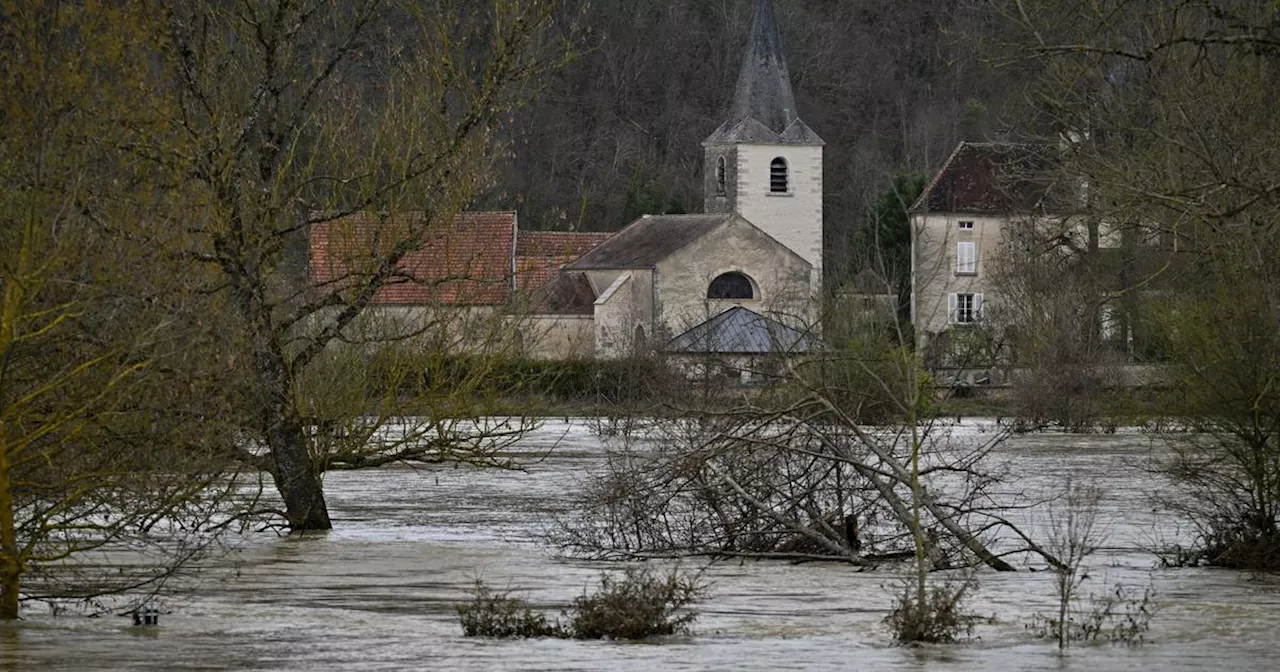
[891, 85]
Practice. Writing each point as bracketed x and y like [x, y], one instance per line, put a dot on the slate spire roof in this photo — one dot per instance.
[764, 106]
[764, 83]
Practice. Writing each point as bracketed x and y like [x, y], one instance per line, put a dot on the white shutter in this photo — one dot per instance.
[952, 304]
[966, 258]
[977, 307]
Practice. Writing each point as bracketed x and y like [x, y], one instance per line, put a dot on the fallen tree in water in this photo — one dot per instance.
[798, 476]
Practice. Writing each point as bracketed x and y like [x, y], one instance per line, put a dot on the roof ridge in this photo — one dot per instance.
[921, 199]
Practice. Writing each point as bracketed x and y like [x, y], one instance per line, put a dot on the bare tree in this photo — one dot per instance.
[1169, 114]
[289, 114]
[1073, 538]
[840, 458]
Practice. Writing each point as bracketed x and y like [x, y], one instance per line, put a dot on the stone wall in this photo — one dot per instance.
[781, 278]
[559, 336]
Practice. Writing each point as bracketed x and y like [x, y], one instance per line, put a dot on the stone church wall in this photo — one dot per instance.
[781, 278]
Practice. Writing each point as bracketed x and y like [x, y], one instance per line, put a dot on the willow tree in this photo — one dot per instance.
[99, 492]
[289, 114]
[1168, 113]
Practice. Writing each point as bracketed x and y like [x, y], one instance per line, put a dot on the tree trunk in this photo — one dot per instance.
[297, 478]
[296, 474]
[10, 563]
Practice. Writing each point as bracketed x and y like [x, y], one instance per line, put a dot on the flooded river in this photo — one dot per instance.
[377, 592]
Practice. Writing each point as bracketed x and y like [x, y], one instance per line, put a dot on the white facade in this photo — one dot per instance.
[781, 279]
[793, 217]
[940, 241]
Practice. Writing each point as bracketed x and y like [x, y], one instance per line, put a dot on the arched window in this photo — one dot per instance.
[732, 285]
[639, 342]
[720, 175]
[778, 176]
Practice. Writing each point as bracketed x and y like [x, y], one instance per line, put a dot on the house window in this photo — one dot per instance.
[964, 308]
[731, 286]
[778, 176]
[720, 175]
[965, 225]
[966, 258]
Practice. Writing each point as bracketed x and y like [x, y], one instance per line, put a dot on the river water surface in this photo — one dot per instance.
[377, 593]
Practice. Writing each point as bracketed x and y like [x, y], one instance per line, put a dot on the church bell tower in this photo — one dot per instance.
[764, 163]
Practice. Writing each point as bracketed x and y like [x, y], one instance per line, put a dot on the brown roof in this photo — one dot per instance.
[468, 261]
[648, 240]
[540, 254]
[567, 294]
[993, 178]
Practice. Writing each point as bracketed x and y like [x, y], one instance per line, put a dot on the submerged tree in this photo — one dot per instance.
[100, 492]
[840, 458]
[292, 114]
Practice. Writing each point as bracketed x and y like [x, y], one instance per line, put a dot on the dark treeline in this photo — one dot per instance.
[891, 85]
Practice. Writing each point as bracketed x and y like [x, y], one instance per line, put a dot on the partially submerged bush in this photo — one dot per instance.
[640, 604]
[1233, 547]
[937, 616]
[495, 614]
[1121, 617]
[1228, 487]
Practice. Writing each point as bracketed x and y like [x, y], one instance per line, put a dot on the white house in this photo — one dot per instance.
[958, 226]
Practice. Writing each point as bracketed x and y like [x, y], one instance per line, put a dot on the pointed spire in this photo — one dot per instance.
[764, 84]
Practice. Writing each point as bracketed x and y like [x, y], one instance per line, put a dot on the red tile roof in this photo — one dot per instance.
[540, 254]
[464, 262]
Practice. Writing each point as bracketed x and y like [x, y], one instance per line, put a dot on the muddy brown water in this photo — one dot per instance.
[377, 593]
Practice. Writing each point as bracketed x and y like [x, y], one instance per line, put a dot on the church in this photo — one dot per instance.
[741, 278]
[668, 282]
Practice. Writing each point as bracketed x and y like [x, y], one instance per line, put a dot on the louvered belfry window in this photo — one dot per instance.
[778, 176]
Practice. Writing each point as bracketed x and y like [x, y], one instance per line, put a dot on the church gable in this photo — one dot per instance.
[738, 246]
[735, 265]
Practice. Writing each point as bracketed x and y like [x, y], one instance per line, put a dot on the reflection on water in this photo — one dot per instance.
[377, 592]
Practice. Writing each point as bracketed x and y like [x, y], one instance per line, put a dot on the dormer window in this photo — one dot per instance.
[720, 175]
[778, 176]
